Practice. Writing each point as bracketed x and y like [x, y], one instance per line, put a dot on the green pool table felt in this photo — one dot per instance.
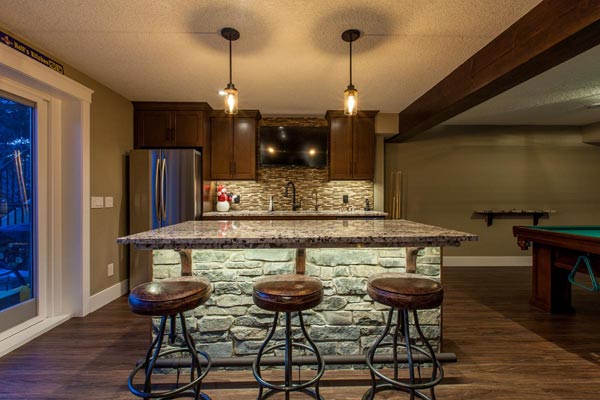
[593, 231]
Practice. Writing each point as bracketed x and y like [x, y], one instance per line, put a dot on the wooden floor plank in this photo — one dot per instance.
[506, 349]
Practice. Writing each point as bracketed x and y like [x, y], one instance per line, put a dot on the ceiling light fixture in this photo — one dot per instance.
[350, 94]
[231, 93]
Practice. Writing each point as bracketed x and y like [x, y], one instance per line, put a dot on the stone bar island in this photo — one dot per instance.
[341, 253]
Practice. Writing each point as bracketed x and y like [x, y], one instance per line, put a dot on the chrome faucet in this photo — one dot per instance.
[294, 205]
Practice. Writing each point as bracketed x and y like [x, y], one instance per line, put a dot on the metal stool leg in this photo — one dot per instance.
[150, 366]
[150, 362]
[320, 361]
[194, 355]
[288, 345]
[370, 394]
[287, 359]
[431, 351]
[256, 363]
[414, 387]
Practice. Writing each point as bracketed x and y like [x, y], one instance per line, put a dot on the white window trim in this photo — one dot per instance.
[63, 121]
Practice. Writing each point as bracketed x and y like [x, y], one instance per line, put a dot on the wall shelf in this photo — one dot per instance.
[535, 214]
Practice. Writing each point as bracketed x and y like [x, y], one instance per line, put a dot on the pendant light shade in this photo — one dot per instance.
[350, 100]
[231, 99]
[350, 94]
[231, 93]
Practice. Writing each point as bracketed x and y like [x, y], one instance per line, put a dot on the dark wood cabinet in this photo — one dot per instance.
[351, 145]
[233, 143]
[172, 125]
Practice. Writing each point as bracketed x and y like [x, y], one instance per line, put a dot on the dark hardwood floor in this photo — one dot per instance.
[506, 350]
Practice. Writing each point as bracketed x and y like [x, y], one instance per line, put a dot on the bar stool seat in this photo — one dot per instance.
[169, 299]
[405, 293]
[287, 294]
[169, 296]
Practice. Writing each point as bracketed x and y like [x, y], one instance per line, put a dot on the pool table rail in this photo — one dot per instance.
[527, 235]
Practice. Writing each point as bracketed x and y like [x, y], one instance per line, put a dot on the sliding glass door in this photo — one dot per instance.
[18, 247]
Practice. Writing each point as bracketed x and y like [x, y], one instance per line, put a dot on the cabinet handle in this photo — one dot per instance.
[234, 167]
[230, 167]
[168, 134]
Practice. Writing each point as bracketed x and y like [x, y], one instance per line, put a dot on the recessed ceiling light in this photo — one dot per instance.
[221, 92]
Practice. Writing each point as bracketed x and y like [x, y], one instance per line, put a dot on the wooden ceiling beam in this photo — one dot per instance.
[551, 33]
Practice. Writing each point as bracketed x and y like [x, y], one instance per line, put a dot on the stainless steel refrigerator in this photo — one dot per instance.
[165, 188]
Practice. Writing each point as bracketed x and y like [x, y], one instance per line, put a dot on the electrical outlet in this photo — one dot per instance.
[111, 269]
[108, 202]
[97, 202]
[345, 199]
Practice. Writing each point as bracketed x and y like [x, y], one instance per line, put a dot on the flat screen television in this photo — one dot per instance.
[294, 145]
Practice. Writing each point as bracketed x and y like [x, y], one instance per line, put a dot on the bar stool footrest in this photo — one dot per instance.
[382, 387]
[183, 391]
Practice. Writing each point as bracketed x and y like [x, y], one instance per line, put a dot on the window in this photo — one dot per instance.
[17, 209]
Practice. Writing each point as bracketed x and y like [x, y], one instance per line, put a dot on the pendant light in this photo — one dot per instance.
[231, 93]
[350, 94]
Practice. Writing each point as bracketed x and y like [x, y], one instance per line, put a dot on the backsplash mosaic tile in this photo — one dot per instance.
[272, 181]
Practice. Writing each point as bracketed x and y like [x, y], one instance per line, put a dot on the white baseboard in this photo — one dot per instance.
[21, 337]
[104, 297]
[500, 261]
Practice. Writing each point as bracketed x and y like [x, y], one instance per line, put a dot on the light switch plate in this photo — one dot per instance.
[108, 202]
[111, 269]
[97, 202]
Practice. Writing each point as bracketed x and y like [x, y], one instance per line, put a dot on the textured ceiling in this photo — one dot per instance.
[290, 58]
[559, 96]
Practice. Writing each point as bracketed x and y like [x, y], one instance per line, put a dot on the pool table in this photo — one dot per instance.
[555, 252]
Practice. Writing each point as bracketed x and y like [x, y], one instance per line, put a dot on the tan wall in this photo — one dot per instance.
[453, 171]
[386, 124]
[111, 137]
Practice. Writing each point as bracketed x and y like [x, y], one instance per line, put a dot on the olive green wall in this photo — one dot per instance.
[386, 124]
[451, 171]
[111, 137]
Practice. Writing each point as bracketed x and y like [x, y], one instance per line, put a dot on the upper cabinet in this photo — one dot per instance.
[171, 125]
[351, 145]
[233, 143]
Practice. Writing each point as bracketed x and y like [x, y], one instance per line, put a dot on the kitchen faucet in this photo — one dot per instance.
[294, 205]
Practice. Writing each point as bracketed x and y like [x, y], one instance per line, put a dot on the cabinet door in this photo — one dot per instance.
[154, 129]
[363, 149]
[340, 148]
[206, 149]
[221, 148]
[244, 148]
[187, 127]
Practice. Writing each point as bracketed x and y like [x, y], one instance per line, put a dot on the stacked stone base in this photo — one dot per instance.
[347, 322]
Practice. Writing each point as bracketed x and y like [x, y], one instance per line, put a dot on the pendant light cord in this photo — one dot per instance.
[350, 63]
[230, 73]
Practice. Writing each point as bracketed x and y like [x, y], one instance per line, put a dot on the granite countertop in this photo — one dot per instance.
[299, 213]
[296, 234]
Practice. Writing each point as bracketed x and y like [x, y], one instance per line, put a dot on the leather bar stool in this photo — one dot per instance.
[405, 293]
[287, 294]
[168, 299]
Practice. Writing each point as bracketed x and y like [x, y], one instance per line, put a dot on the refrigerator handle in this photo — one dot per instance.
[163, 189]
[157, 185]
